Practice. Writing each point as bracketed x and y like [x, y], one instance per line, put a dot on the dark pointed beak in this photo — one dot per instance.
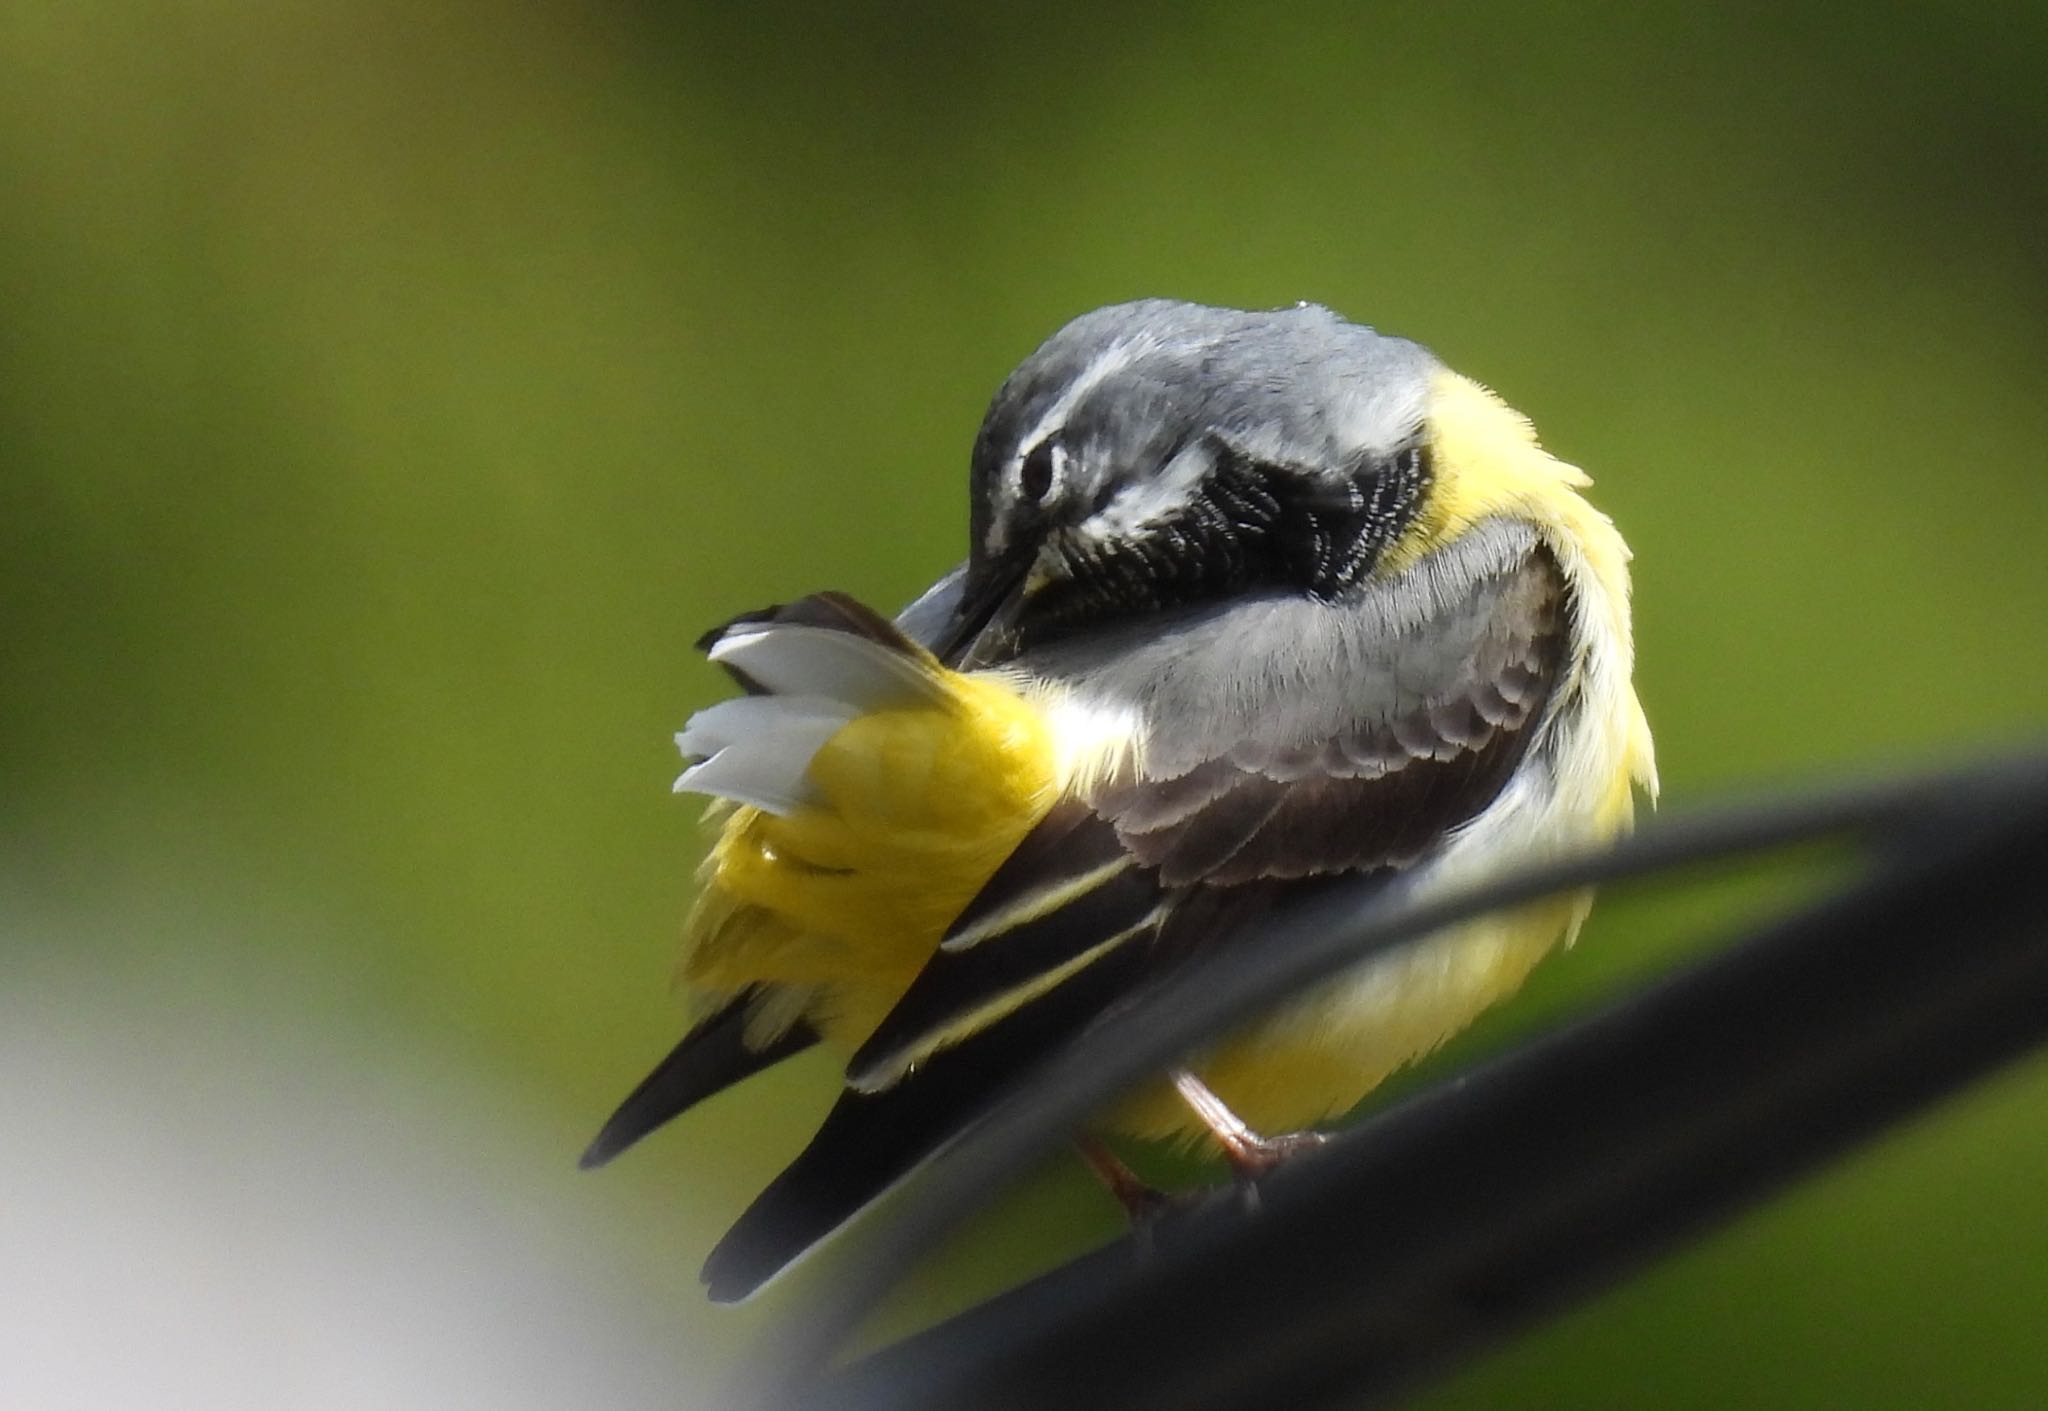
[983, 629]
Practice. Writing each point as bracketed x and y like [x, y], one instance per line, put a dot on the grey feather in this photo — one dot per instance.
[1295, 386]
[926, 620]
[1259, 681]
[1180, 453]
[1289, 738]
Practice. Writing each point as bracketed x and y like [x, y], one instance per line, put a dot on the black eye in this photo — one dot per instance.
[1034, 478]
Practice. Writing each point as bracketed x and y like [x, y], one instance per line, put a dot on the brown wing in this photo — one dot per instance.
[1378, 795]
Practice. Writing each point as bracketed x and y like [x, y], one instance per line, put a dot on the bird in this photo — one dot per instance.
[1256, 602]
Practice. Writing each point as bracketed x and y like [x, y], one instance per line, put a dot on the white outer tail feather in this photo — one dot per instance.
[757, 750]
[795, 660]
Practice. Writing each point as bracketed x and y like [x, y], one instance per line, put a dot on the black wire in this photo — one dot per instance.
[1458, 1217]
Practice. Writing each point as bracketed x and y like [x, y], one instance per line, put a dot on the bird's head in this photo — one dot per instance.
[1160, 454]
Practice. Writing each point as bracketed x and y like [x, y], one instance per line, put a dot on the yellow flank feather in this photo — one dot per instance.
[847, 898]
[1322, 1055]
[1487, 462]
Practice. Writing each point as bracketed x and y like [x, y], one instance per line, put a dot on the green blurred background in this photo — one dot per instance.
[392, 392]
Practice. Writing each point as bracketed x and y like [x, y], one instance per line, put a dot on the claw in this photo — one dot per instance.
[1143, 1203]
[1249, 1154]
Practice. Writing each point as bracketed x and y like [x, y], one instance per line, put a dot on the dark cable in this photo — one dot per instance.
[1550, 1172]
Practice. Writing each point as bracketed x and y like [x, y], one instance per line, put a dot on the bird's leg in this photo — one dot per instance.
[1249, 1154]
[1142, 1203]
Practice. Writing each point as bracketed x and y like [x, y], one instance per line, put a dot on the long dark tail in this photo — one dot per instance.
[870, 1141]
[711, 1058]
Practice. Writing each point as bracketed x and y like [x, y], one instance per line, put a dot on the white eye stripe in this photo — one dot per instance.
[1106, 364]
[1137, 505]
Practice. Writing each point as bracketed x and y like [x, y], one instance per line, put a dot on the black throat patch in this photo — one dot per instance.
[1249, 526]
